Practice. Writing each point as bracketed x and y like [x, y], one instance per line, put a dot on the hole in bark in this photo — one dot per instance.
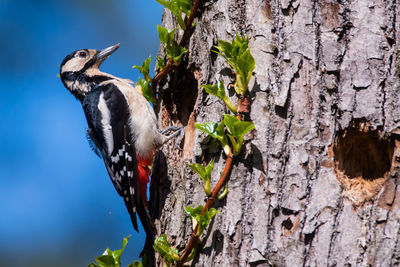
[287, 224]
[180, 97]
[360, 152]
[363, 160]
[308, 238]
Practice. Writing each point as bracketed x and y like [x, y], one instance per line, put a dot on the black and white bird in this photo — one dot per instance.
[122, 126]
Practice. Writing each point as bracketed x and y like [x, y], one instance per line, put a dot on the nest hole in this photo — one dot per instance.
[362, 152]
[363, 160]
[180, 97]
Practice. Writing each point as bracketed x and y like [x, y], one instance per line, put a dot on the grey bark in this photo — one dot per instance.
[317, 181]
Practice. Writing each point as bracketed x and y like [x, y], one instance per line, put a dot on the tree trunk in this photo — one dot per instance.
[316, 183]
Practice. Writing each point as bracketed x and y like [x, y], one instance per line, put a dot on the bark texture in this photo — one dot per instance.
[317, 182]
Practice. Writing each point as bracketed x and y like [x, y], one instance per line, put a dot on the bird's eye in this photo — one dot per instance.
[82, 54]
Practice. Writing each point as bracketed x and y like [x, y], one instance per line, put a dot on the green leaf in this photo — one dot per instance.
[110, 258]
[205, 219]
[205, 174]
[173, 50]
[242, 127]
[117, 253]
[136, 264]
[214, 90]
[106, 261]
[160, 62]
[238, 129]
[144, 69]
[199, 169]
[146, 90]
[229, 121]
[166, 36]
[219, 91]
[208, 127]
[162, 246]
[193, 212]
[238, 56]
[223, 194]
[215, 131]
[177, 7]
[201, 220]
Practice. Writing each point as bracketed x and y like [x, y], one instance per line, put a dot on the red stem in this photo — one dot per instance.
[211, 199]
[185, 37]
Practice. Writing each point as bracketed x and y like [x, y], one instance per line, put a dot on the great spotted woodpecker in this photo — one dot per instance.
[122, 126]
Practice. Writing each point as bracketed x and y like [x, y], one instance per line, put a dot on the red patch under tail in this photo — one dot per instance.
[144, 173]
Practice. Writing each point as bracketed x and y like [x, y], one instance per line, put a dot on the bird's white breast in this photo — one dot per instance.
[143, 122]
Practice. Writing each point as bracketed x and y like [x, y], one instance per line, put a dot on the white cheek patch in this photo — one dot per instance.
[74, 64]
[106, 123]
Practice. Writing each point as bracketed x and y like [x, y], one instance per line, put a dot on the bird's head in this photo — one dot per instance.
[79, 71]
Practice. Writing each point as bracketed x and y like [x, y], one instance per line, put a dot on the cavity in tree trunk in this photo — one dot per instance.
[316, 182]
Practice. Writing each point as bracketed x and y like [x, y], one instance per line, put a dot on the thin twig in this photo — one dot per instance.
[211, 199]
[186, 34]
[210, 202]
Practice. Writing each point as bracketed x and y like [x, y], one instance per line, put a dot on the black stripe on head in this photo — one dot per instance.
[76, 76]
[90, 62]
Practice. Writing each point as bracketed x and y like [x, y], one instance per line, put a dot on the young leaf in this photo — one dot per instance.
[229, 121]
[163, 247]
[208, 127]
[223, 194]
[136, 264]
[160, 62]
[237, 129]
[205, 219]
[216, 131]
[144, 69]
[166, 36]
[172, 49]
[205, 174]
[175, 52]
[176, 7]
[219, 91]
[193, 212]
[146, 90]
[201, 220]
[238, 56]
[110, 258]
[106, 261]
[214, 90]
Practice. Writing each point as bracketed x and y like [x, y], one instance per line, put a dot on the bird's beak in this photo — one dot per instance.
[104, 53]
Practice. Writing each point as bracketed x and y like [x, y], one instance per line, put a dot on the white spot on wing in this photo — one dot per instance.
[106, 123]
[115, 159]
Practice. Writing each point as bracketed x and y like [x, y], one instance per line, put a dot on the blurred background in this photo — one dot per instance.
[58, 206]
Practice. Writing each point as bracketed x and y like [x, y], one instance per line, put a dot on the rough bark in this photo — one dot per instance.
[317, 182]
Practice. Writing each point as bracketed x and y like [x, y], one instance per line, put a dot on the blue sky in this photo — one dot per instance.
[58, 205]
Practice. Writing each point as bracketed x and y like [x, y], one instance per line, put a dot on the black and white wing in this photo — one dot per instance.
[109, 118]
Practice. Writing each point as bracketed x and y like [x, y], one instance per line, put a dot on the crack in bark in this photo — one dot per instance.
[334, 233]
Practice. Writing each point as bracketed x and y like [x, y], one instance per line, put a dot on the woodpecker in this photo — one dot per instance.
[121, 125]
